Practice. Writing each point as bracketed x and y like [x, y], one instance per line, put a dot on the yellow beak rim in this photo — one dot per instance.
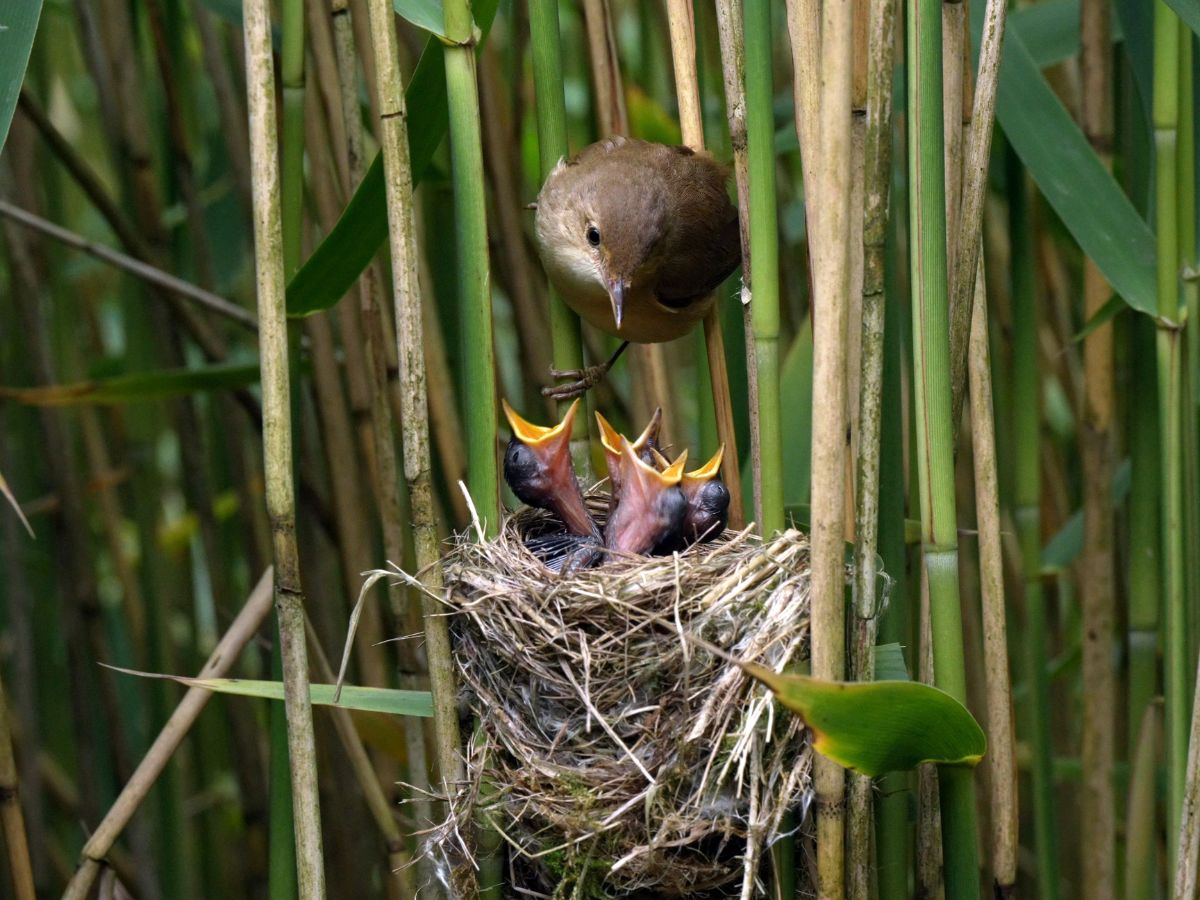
[538, 435]
[710, 469]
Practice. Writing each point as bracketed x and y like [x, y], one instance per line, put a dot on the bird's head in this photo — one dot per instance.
[651, 505]
[610, 440]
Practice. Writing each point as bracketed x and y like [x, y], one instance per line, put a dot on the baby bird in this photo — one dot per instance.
[651, 505]
[537, 466]
[636, 236]
[643, 447]
[708, 506]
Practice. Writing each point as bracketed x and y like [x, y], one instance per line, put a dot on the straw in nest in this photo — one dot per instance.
[614, 755]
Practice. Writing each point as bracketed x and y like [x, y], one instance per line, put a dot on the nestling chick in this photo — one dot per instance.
[643, 447]
[651, 506]
[636, 236]
[708, 506]
[537, 466]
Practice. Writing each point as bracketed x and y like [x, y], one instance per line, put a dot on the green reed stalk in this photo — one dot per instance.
[292, 76]
[934, 430]
[1166, 118]
[277, 447]
[1141, 827]
[546, 47]
[1026, 425]
[12, 820]
[475, 295]
[764, 250]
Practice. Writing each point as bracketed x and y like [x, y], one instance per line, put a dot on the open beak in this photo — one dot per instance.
[610, 440]
[544, 477]
[707, 502]
[645, 512]
[705, 473]
[616, 296]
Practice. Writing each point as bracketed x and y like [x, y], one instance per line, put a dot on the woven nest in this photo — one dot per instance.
[614, 754]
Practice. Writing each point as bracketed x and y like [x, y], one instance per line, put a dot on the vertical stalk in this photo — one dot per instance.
[1188, 838]
[1166, 116]
[934, 428]
[1141, 827]
[475, 296]
[682, 27]
[12, 821]
[1026, 428]
[1001, 751]
[764, 250]
[277, 446]
[546, 47]
[881, 39]
[414, 413]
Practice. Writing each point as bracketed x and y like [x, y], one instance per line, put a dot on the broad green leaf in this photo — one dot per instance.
[18, 25]
[368, 699]
[879, 726]
[1070, 175]
[348, 249]
[1050, 30]
[137, 387]
[1188, 12]
[425, 14]
[890, 664]
[795, 395]
[1066, 545]
[1102, 316]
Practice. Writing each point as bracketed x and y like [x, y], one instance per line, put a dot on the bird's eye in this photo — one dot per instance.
[593, 235]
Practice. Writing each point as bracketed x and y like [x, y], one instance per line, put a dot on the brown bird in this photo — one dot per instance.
[537, 466]
[651, 505]
[610, 440]
[708, 505]
[636, 236]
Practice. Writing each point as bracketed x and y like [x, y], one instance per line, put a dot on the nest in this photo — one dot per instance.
[615, 755]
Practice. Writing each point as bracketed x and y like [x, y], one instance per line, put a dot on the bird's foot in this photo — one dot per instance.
[582, 381]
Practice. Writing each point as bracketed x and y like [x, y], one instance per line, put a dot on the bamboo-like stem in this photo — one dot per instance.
[1141, 844]
[230, 110]
[733, 70]
[1001, 749]
[277, 446]
[687, 91]
[1026, 428]
[1187, 858]
[135, 267]
[881, 39]
[764, 249]
[414, 415]
[479, 368]
[12, 820]
[1097, 808]
[965, 237]
[934, 429]
[565, 330]
[240, 632]
[1166, 115]
[292, 78]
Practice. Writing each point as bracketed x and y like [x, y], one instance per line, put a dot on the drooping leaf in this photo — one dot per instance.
[879, 726]
[426, 14]
[1070, 175]
[1050, 30]
[1188, 12]
[340, 258]
[140, 386]
[890, 664]
[368, 699]
[18, 25]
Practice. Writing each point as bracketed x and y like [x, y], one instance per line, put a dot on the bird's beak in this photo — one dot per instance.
[648, 439]
[616, 296]
[706, 472]
[551, 446]
[610, 440]
[634, 526]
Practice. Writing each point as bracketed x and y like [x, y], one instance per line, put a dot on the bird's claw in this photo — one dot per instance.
[582, 380]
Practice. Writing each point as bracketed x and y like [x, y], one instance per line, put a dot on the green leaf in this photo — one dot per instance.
[425, 14]
[1070, 175]
[890, 664]
[1066, 545]
[1105, 314]
[795, 395]
[1188, 12]
[879, 726]
[137, 387]
[367, 699]
[332, 269]
[18, 25]
[1050, 30]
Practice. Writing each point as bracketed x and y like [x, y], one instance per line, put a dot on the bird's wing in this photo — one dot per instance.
[702, 254]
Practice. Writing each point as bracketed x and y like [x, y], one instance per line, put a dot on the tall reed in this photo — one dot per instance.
[934, 429]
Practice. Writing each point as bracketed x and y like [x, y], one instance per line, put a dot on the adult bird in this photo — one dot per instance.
[636, 236]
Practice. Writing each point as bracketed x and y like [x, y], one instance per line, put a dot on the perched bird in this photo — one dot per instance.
[643, 447]
[537, 466]
[636, 236]
[708, 505]
[651, 505]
